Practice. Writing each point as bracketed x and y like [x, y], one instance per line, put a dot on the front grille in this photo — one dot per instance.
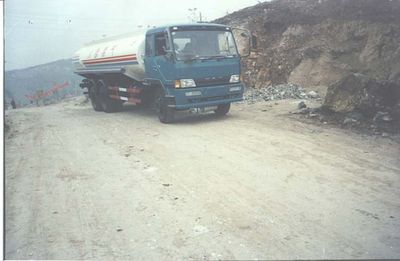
[214, 98]
[219, 80]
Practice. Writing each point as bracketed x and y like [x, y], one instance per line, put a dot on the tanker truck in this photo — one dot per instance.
[167, 68]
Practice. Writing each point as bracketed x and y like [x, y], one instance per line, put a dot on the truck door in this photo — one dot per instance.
[159, 64]
[149, 57]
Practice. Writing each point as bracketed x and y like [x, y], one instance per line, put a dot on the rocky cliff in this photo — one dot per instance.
[316, 42]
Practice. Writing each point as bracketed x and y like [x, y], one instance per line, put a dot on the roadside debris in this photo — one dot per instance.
[279, 92]
[301, 105]
[382, 117]
[381, 124]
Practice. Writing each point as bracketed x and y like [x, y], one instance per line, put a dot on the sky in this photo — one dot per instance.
[42, 31]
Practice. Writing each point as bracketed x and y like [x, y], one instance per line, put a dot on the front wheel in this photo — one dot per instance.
[222, 109]
[165, 113]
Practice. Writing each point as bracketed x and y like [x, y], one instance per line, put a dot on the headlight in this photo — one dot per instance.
[235, 78]
[185, 83]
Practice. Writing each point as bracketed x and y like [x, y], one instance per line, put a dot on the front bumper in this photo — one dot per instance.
[210, 96]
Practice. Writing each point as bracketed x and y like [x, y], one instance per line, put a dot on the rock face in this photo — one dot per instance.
[317, 42]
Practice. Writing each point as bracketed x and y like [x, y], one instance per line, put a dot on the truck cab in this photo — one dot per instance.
[197, 66]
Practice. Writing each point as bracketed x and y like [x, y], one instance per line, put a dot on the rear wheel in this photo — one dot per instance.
[165, 113]
[95, 98]
[118, 106]
[222, 109]
[107, 104]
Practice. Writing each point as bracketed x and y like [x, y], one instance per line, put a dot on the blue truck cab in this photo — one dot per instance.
[197, 65]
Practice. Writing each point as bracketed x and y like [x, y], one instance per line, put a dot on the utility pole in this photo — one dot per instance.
[193, 14]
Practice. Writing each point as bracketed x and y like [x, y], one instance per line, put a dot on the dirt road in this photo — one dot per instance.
[253, 185]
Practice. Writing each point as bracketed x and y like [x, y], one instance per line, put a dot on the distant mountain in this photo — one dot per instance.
[22, 82]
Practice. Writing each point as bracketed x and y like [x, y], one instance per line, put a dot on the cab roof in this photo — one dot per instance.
[189, 26]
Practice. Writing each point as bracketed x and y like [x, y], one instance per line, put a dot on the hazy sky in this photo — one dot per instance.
[42, 31]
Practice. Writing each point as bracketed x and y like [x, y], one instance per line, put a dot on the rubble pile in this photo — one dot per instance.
[279, 92]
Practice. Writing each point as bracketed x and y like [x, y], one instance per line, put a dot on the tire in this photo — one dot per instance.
[165, 113]
[107, 104]
[94, 98]
[222, 109]
[147, 98]
[118, 106]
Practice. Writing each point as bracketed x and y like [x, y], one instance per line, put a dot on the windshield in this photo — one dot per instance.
[203, 44]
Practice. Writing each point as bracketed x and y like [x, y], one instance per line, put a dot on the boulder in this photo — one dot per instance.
[358, 92]
[301, 105]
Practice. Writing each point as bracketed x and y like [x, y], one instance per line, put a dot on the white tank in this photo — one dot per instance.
[120, 52]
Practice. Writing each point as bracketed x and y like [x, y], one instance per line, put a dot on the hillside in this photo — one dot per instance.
[19, 83]
[316, 42]
[346, 49]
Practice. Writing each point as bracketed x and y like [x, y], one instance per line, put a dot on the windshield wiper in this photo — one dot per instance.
[193, 57]
[218, 57]
[189, 57]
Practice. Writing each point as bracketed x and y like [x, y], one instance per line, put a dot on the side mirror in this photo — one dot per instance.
[169, 54]
[243, 41]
